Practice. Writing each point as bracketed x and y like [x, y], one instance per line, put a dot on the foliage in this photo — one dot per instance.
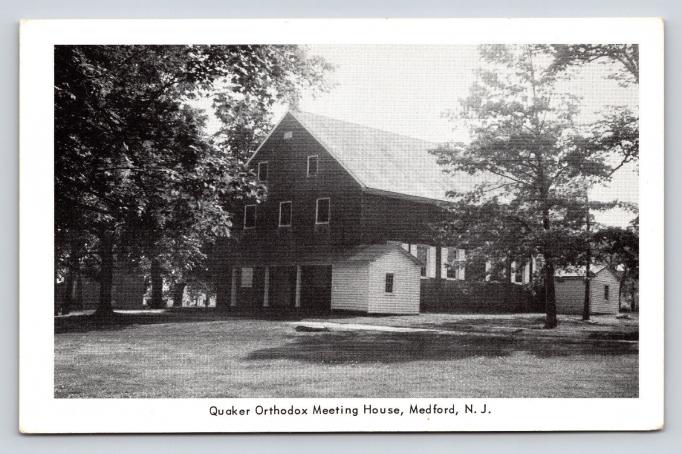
[618, 130]
[132, 158]
[626, 55]
[534, 164]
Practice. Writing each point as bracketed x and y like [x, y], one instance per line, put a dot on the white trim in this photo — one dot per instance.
[329, 210]
[317, 165]
[279, 220]
[255, 214]
[267, 171]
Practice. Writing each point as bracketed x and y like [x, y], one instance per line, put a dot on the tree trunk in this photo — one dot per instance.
[550, 294]
[633, 295]
[178, 293]
[106, 276]
[507, 282]
[588, 260]
[157, 285]
[67, 304]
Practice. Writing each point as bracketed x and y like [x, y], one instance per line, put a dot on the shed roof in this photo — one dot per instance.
[384, 162]
[578, 271]
[372, 252]
[362, 253]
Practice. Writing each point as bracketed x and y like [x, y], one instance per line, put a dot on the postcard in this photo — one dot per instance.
[341, 225]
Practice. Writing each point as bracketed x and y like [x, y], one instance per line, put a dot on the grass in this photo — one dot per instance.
[195, 355]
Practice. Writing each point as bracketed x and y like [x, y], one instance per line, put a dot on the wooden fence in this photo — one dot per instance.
[476, 297]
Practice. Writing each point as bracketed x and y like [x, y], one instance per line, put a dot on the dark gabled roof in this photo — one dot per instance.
[383, 162]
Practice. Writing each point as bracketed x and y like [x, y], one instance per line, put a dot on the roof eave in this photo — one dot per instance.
[410, 197]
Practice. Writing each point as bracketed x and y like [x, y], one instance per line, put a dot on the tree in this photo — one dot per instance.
[619, 248]
[134, 168]
[618, 130]
[531, 163]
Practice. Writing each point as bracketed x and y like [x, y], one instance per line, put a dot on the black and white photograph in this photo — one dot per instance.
[353, 220]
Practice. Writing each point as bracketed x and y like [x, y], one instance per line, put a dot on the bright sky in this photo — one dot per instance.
[406, 89]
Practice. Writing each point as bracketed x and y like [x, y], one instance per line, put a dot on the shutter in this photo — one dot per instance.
[461, 269]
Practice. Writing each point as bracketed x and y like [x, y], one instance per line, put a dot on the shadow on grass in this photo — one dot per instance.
[119, 320]
[375, 347]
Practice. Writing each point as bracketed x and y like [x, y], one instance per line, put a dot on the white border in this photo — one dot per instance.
[41, 413]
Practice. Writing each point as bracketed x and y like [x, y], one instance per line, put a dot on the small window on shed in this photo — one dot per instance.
[322, 211]
[262, 171]
[312, 166]
[389, 282]
[250, 216]
[606, 292]
[247, 277]
[288, 135]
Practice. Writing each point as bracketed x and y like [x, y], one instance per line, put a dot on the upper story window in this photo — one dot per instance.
[606, 292]
[263, 171]
[285, 214]
[288, 135]
[250, 217]
[312, 165]
[322, 211]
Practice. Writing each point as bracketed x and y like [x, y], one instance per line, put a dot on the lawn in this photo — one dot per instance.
[435, 355]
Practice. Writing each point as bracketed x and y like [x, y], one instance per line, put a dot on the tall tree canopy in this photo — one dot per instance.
[618, 129]
[135, 171]
[533, 162]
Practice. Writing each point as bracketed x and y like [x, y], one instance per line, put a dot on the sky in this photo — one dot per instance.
[407, 89]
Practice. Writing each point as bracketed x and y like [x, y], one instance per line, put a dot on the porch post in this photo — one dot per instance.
[266, 287]
[297, 301]
[233, 288]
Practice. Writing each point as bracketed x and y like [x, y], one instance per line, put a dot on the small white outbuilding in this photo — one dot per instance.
[376, 279]
[569, 284]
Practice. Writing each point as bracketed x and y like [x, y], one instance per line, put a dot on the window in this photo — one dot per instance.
[389, 282]
[322, 211]
[312, 166]
[262, 171]
[247, 277]
[285, 214]
[606, 292]
[288, 135]
[423, 257]
[250, 216]
[451, 260]
[517, 276]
